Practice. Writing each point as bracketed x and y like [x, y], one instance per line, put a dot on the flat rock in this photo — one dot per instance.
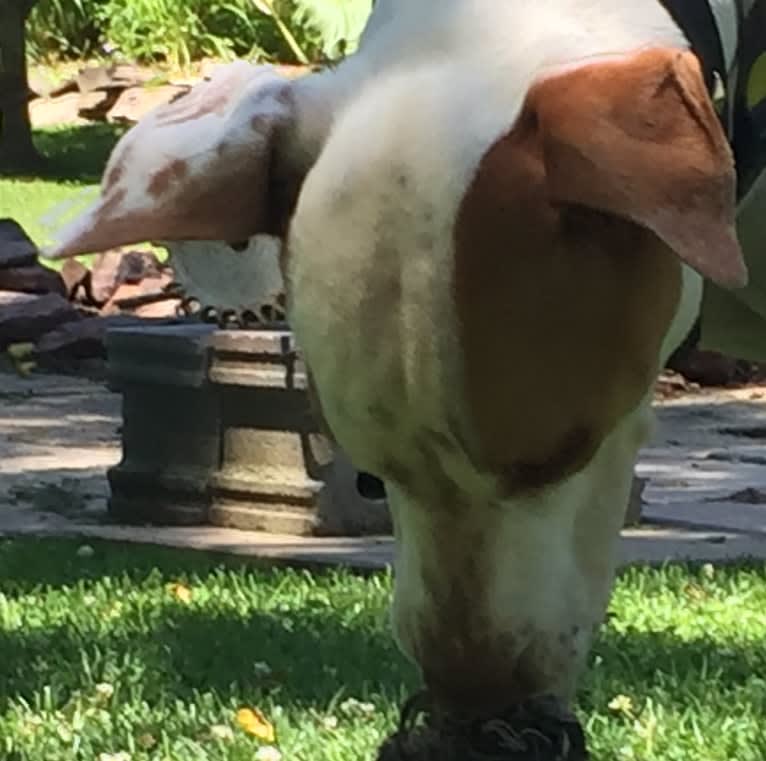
[145, 298]
[81, 339]
[50, 112]
[135, 102]
[95, 105]
[709, 368]
[55, 484]
[69, 85]
[34, 278]
[76, 277]
[113, 268]
[24, 317]
[16, 247]
[115, 76]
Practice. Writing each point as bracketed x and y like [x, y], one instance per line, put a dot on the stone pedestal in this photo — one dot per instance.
[217, 429]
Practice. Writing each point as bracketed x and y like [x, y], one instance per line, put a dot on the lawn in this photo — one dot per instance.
[77, 156]
[139, 654]
[146, 654]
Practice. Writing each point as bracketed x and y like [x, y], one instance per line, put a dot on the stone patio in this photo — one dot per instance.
[706, 491]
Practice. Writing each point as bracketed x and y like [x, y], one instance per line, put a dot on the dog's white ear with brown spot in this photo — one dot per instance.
[638, 137]
[198, 168]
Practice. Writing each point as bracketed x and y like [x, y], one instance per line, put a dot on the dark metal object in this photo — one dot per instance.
[268, 317]
[217, 429]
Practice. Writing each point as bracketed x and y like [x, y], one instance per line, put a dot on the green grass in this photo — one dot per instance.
[99, 656]
[75, 159]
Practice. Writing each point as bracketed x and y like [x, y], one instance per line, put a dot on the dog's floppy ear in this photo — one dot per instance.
[198, 168]
[638, 137]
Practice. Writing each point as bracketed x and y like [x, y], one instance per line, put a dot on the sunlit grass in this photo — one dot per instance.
[101, 654]
[43, 203]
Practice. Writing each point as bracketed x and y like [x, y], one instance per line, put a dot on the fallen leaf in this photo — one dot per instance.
[20, 351]
[146, 741]
[181, 592]
[694, 592]
[621, 704]
[252, 721]
[21, 357]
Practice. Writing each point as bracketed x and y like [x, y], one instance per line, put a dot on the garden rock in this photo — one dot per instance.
[709, 368]
[51, 112]
[16, 247]
[32, 279]
[81, 339]
[24, 317]
[116, 76]
[146, 298]
[94, 106]
[70, 85]
[113, 268]
[76, 277]
[134, 103]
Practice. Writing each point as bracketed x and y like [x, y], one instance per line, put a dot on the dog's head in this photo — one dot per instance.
[608, 153]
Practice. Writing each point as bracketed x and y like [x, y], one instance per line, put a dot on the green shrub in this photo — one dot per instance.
[64, 28]
[181, 31]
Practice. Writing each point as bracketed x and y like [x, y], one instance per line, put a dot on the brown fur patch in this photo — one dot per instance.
[193, 106]
[115, 174]
[175, 171]
[563, 294]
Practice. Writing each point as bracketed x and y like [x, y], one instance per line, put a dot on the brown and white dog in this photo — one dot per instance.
[497, 221]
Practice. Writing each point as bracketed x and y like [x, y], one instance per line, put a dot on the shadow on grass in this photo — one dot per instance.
[72, 153]
[312, 659]
[315, 650]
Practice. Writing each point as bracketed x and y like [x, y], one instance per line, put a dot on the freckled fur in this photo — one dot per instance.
[489, 576]
[504, 558]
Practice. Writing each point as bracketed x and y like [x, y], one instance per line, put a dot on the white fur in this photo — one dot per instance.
[434, 85]
[240, 92]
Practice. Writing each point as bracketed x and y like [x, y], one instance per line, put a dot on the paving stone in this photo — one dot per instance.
[135, 102]
[24, 317]
[33, 278]
[59, 436]
[16, 247]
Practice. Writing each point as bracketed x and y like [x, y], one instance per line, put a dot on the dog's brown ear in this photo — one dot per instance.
[638, 137]
[198, 168]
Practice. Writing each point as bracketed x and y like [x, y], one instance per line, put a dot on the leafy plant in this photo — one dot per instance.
[330, 27]
[182, 31]
[64, 28]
